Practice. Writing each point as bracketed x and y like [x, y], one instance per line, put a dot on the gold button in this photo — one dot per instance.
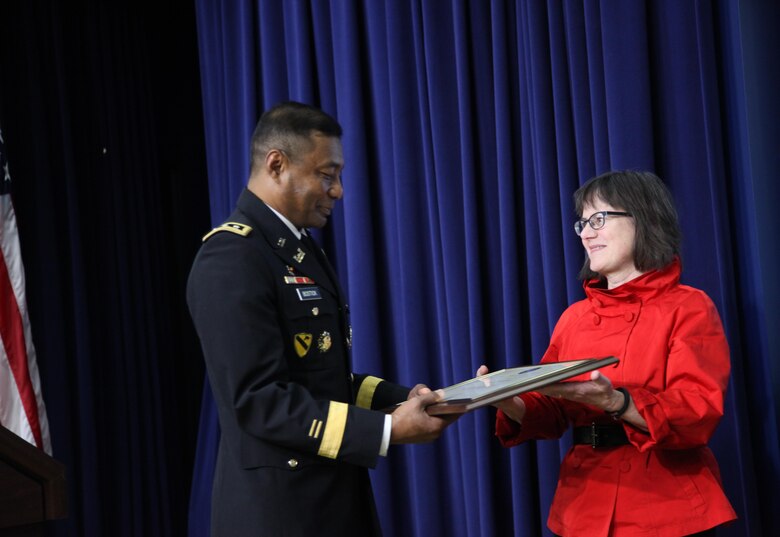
[292, 463]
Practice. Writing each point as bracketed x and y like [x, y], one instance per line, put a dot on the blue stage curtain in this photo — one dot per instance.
[468, 125]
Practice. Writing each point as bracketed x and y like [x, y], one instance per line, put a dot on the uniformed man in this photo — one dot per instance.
[299, 430]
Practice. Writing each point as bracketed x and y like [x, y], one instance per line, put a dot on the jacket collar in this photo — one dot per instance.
[647, 285]
[284, 243]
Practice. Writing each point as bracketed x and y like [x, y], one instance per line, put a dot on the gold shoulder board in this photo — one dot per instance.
[234, 227]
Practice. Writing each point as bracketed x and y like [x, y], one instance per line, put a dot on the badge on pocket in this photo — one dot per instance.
[302, 343]
[324, 342]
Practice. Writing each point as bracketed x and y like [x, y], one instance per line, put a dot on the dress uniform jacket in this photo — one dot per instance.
[674, 361]
[297, 429]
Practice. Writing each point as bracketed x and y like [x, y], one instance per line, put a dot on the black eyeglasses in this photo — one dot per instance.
[596, 220]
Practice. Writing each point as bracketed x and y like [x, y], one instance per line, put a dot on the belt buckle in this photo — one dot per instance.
[594, 435]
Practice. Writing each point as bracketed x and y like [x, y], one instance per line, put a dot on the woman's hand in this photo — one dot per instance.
[598, 392]
[513, 407]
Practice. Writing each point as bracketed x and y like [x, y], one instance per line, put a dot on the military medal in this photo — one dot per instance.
[324, 342]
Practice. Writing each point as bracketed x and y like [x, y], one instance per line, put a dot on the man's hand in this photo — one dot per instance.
[419, 389]
[412, 424]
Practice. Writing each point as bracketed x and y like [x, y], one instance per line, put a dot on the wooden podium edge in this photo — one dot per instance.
[37, 465]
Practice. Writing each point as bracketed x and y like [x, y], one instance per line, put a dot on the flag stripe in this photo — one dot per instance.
[21, 404]
[12, 334]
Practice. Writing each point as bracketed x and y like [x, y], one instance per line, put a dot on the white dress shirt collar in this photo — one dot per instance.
[295, 230]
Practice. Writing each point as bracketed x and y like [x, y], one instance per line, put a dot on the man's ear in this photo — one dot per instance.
[275, 163]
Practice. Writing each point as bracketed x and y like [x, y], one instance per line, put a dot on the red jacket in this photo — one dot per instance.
[674, 360]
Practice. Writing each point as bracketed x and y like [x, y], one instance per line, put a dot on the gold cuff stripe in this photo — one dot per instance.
[314, 430]
[233, 227]
[366, 392]
[334, 430]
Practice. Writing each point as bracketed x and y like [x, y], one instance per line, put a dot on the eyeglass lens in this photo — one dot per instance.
[596, 221]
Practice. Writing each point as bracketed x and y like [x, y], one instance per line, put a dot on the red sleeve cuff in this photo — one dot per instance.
[507, 430]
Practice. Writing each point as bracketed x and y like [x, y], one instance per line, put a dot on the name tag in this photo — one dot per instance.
[309, 293]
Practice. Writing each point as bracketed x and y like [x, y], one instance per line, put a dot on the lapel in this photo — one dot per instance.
[286, 245]
[324, 263]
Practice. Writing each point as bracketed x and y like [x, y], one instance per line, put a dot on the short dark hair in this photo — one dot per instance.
[289, 126]
[649, 201]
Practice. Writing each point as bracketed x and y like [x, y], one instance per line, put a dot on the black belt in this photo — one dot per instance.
[596, 435]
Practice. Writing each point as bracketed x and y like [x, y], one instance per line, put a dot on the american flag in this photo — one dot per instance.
[21, 405]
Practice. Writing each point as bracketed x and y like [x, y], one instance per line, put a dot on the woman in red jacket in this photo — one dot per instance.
[640, 465]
